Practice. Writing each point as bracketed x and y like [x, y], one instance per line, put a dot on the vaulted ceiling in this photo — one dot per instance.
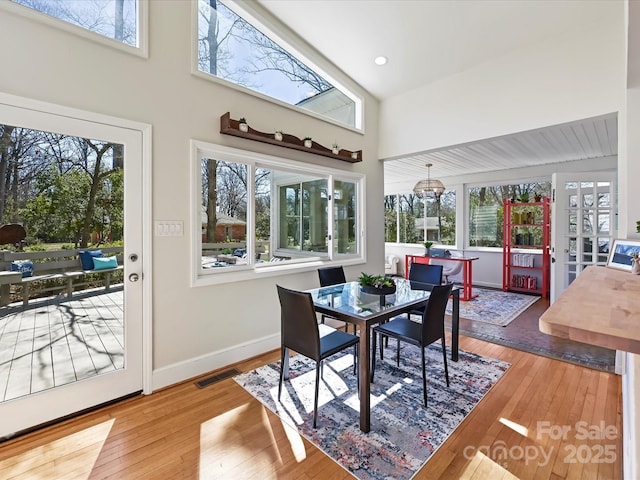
[430, 40]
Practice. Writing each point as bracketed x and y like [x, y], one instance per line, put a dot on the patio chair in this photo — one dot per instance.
[419, 334]
[301, 333]
[332, 276]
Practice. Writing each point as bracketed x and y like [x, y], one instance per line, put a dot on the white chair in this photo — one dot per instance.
[449, 268]
[391, 265]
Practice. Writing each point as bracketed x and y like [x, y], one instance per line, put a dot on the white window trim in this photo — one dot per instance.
[141, 50]
[248, 12]
[199, 150]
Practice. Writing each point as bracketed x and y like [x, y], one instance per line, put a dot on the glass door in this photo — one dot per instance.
[70, 333]
[582, 226]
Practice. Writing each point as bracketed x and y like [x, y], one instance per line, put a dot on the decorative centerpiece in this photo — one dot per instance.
[242, 125]
[308, 142]
[377, 284]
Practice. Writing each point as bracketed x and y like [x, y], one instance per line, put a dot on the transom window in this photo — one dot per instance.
[117, 20]
[246, 54]
[261, 213]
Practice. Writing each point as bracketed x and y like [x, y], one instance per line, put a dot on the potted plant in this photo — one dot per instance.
[335, 148]
[242, 125]
[427, 246]
[278, 135]
[376, 284]
[524, 197]
[307, 142]
[354, 155]
[537, 197]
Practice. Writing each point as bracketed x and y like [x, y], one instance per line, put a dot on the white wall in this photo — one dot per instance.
[564, 79]
[194, 329]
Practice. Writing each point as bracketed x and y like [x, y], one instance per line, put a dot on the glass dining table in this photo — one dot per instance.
[348, 303]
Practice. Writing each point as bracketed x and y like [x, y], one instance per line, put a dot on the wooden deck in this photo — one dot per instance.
[60, 340]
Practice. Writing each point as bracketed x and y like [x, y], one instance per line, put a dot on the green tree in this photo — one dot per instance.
[56, 214]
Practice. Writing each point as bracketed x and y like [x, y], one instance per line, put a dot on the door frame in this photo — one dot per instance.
[27, 107]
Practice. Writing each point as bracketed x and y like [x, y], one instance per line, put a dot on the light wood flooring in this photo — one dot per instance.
[221, 432]
[60, 341]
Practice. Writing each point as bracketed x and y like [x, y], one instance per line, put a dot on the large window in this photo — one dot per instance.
[410, 219]
[118, 20]
[234, 49]
[486, 209]
[258, 213]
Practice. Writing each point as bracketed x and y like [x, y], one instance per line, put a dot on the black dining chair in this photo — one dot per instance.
[302, 334]
[422, 276]
[419, 334]
[332, 276]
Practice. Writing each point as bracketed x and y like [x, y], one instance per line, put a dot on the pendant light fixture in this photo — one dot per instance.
[429, 188]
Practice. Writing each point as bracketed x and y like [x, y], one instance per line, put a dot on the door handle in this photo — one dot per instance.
[134, 277]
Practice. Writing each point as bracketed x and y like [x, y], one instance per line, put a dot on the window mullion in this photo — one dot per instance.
[251, 217]
[331, 218]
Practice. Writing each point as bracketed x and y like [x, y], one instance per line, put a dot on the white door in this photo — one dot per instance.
[583, 214]
[83, 391]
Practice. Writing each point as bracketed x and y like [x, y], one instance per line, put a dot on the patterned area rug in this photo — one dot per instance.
[494, 306]
[404, 434]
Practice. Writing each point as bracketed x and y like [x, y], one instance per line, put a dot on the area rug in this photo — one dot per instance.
[404, 434]
[494, 306]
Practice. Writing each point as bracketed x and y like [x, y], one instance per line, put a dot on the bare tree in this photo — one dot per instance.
[212, 42]
[5, 155]
[97, 174]
[272, 57]
[118, 31]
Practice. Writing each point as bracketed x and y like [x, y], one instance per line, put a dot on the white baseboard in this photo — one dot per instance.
[181, 371]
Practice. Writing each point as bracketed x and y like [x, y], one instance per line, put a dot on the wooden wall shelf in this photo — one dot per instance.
[229, 126]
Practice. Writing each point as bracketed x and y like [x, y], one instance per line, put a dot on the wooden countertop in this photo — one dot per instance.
[600, 307]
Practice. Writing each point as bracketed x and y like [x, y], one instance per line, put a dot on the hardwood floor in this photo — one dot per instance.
[527, 427]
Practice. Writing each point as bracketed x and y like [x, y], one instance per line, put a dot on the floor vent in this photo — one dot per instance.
[216, 378]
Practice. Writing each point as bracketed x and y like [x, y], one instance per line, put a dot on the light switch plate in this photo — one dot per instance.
[169, 228]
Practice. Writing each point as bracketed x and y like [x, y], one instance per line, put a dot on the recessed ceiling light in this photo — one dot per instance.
[381, 60]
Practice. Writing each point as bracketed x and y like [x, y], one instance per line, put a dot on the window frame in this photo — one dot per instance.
[286, 41]
[142, 26]
[251, 271]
